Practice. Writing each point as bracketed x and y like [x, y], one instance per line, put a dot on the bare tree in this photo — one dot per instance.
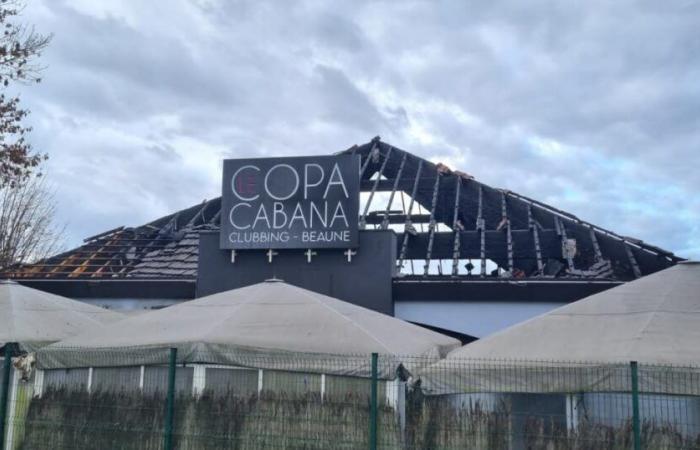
[28, 231]
[20, 46]
[27, 208]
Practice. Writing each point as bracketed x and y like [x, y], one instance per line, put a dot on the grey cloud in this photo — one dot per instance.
[343, 102]
[337, 32]
[612, 84]
[120, 68]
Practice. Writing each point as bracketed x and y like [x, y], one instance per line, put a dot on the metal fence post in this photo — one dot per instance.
[4, 396]
[170, 402]
[373, 404]
[635, 406]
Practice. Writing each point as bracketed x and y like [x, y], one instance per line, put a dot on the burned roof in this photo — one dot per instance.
[447, 223]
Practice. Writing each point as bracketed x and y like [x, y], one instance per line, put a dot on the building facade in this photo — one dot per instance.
[434, 246]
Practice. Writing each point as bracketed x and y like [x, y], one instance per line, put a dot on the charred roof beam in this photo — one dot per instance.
[408, 226]
[456, 228]
[481, 228]
[535, 238]
[363, 222]
[596, 246]
[385, 221]
[433, 223]
[505, 223]
[633, 261]
[368, 158]
[565, 247]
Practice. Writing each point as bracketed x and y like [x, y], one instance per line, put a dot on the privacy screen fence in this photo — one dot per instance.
[363, 402]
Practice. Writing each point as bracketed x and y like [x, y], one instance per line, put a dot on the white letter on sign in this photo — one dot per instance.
[230, 216]
[335, 173]
[307, 184]
[291, 192]
[236, 187]
[261, 215]
[278, 210]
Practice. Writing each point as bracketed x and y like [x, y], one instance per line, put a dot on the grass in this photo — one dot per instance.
[63, 419]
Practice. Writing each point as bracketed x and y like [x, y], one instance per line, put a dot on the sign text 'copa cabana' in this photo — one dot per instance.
[299, 202]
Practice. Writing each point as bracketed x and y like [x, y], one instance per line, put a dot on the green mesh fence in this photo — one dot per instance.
[454, 404]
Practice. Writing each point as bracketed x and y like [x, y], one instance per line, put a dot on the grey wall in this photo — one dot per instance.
[139, 288]
[365, 281]
[470, 316]
[129, 304]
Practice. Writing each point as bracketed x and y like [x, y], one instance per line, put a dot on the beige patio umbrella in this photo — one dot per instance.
[654, 320]
[34, 318]
[268, 325]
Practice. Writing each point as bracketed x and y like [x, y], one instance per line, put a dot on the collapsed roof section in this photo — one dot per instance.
[446, 221]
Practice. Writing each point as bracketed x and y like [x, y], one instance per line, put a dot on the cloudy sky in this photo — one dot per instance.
[593, 107]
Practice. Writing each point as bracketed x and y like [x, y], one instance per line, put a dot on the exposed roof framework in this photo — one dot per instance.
[446, 221]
